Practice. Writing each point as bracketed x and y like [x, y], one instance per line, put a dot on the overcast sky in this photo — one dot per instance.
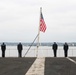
[19, 20]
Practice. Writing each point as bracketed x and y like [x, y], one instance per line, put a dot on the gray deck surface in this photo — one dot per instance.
[15, 66]
[53, 66]
[59, 66]
[74, 58]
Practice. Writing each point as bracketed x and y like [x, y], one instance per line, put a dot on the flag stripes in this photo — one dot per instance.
[42, 23]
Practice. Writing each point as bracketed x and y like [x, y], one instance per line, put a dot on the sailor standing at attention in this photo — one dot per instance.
[20, 48]
[65, 47]
[54, 47]
[3, 48]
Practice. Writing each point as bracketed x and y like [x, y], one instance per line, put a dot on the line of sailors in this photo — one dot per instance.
[20, 48]
[55, 47]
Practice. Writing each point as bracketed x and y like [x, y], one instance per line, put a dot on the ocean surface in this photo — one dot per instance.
[43, 51]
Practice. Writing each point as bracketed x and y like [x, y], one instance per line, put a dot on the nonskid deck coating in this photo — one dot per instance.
[15, 66]
[52, 66]
[59, 66]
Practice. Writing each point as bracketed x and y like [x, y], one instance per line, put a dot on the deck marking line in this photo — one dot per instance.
[71, 60]
[37, 67]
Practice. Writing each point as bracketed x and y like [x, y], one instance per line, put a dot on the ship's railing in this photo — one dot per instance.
[43, 51]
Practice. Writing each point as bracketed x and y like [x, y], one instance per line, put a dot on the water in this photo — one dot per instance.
[43, 51]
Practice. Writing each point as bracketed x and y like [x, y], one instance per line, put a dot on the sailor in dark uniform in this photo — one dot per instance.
[20, 48]
[3, 48]
[54, 47]
[65, 47]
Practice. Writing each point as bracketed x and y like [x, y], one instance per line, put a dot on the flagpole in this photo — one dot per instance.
[38, 32]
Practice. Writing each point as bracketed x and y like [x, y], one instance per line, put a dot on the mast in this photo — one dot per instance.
[39, 32]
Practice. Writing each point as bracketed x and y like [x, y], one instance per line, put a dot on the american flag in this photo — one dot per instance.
[42, 23]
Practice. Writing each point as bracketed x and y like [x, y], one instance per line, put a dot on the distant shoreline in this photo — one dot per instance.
[41, 44]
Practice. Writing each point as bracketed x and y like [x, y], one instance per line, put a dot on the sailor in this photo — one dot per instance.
[54, 47]
[3, 48]
[20, 48]
[65, 47]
